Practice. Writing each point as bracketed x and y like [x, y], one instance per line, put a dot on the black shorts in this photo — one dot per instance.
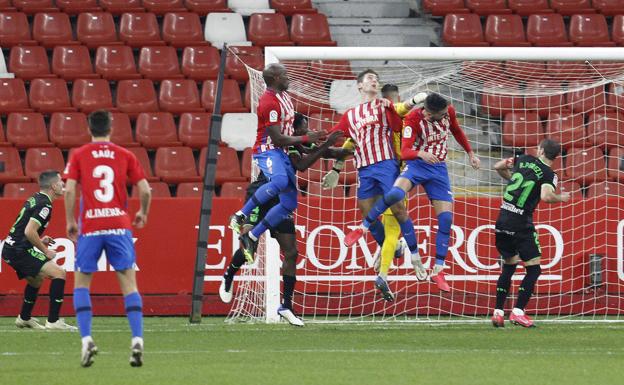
[25, 262]
[524, 243]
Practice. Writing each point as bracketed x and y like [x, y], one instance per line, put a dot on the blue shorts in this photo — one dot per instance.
[117, 244]
[433, 177]
[377, 179]
[276, 162]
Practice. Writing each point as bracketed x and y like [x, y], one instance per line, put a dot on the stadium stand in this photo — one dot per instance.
[27, 129]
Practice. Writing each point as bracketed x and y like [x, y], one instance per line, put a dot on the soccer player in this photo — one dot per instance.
[102, 169]
[301, 158]
[276, 114]
[32, 258]
[424, 149]
[530, 179]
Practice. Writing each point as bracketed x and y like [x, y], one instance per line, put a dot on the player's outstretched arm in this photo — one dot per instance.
[282, 140]
[503, 167]
[302, 163]
[145, 197]
[548, 195]
[330, 180]
[70, 206]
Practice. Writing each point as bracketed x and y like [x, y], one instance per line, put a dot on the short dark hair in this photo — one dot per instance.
[100, 123]
[46, 178]
[435, 103]
[552, 148]
[299, 119]
[389, 88]
[361, 75]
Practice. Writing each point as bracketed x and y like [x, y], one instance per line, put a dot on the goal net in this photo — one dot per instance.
[506, 105]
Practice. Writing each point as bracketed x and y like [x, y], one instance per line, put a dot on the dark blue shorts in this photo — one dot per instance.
[433, 177]
[377, 179]
[117, 244]
[276, 162]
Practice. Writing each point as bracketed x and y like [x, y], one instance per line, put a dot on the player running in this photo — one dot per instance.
[424, 150]
[275, 133]
[102, 169]
[530, 179]
[32, 258]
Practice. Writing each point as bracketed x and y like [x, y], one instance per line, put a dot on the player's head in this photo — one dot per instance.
[390, 92]
[276, 77]
[368, 82]
[549, 148]
[100, 124]
[51, 181]
[436, 107]
[300, 124]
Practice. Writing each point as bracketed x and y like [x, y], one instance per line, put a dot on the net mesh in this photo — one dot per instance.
[505, 108]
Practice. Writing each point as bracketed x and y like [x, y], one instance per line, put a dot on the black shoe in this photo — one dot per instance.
[249, 247]
[136, 355]
[236, 222]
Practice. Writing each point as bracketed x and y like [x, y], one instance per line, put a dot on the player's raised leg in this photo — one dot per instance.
[443, 210]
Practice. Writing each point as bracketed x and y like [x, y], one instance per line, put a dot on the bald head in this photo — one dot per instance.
[276, 77]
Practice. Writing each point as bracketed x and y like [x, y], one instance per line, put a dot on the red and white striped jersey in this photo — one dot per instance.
[422, 135]
[370, 125]
[274, 108]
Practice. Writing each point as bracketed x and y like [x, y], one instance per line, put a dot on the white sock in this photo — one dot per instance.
[416, 258]
[499, 312]
[240, 213]
[86, 340]
[136, 340]
[437, 269]
[253, 237]
[517, 311]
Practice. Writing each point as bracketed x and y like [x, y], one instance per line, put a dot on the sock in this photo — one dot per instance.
[265, 193]
[237, 261]
[391, 197]
[289, 288]
[134, 312]
[445, 220]
[84, 313]
[388, 249]
[503, 285]
[528, 284]
[377, 231]
[30, 297]
[407, 228]
[57, 290]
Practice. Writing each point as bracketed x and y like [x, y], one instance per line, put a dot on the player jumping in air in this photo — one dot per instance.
[275, 133]
[424, 149]
[31, 257]
[530, 179]
[102, 169]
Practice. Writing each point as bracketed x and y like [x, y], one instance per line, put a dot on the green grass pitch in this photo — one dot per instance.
[390, 353]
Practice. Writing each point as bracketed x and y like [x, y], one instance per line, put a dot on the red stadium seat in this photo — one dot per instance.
[6, 6]
[158, 190]
[182, 29]
[20, 190]
[230, 97]
[13, 96]
[315, 189]
[606, 189]
[566, 70]
[615, 95]
[206, 6]
[609, 7]
[29, 62]
[158, 63]
[291, 7]
[234, 190]
[34, 6]
[27, 129]
[156, 129]
[444, 7]
[194, 129]
[12, 170]
[571, 187]
[116, 62]
[176, 165]
[72, 7]
[529, 7]
[543, 104]
[41, 159]
[49, 95]
[547, 30]
[483, 70]
[464, 29]
[246, 163]
[590, 30]
[190, 190]
[160, 7]
[96, 28]
[238, 56]
[615, 164]
[228, 167]
[496, 104]
[268, 29]
[586, 99]
[247, 96]
[488, 7]
[201, 63]
[69, 129]
[571, 7]
[505, 30]
[135, 96]
[139, 29]
[122, 130]
[51, 29]
[525, 70]
[3, 141]
[179, 96]
[606, 129]
[92, 94]
[14, 30]
[618, 29]
[72, 62]
[566, 128]
[522, 129]
[311, 30]
[117, 7]
[141, 155]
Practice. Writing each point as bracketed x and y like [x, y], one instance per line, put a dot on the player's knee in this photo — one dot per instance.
[394, 195]
[445, 220]
[61, 274]
[280, 182]
[289, 202]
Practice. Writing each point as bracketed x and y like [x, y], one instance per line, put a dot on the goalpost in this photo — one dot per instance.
[507, 100]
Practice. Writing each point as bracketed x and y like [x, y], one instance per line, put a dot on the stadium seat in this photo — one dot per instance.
[135, 96]
[34, 6]
[203, 7]
[529, 7]
[176, 165]
[247, 96]
[488, 7]
[238, 56]
[7, 6]
[323, 120]
[590, 30]
[615, 95]
[310, 30]
[618, 29]
[156, 129]
[117, 7]
[141, 155]
[605, 189]
[225, 28]
[290, 7]
[51, 29]
[122, 130]
[585, 99]
[69, 129]
[238, 130]
[73, 7]
[72, 62]
[41, 159]
[49, 95]
[609, 7]
[505, 30]
[13, 96]
[20, 190]
[606, 129]
[158, 190]
[315, 189]
[547, 30]
[268, 29]
[543, 104]
[250, 7]
[96, 28]
[3, 141]
[139, 29]
[194, 129]
[571, 187]
[234, 190]
[525, 70]
[27, 129]
[608, 69]
[331, 69]
[571, 7]
[567, 128]
[495, 104]
[230, 96]
[463, 30]
[444, 7]
[483, 70]
[615, 164]
[189, 190]
[116, 62]
[522, 129]
[29, 62]
[160, 7]
[12, 170]
[179, 96]
[246, 163]
[158, 63]
[92, 94]
[14, 30]
[182, 29]
[566, 70]
[228, 167]
[201, 63]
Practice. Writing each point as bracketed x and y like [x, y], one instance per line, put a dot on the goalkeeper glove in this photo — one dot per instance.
[330, 180]
[418, 100]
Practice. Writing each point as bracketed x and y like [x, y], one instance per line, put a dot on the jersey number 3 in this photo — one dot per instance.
[107, 176]
[519, 182]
